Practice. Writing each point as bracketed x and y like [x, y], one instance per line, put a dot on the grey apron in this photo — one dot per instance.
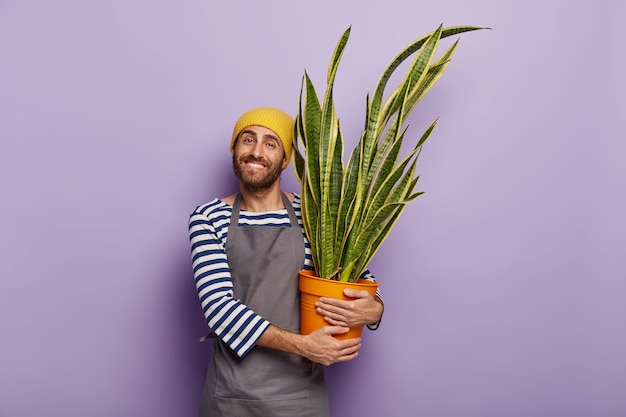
[264, 262]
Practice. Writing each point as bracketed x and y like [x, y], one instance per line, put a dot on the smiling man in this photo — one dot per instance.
[259, 160]
[247, 249]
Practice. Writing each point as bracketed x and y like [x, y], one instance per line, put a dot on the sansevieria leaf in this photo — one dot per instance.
[349, 210]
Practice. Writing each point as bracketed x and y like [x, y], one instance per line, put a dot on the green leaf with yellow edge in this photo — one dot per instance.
[348, 211]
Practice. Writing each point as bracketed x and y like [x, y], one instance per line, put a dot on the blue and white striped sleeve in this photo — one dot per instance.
[368, 276]
[231, 320]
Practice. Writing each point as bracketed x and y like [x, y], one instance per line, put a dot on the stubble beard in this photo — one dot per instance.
[256, 182]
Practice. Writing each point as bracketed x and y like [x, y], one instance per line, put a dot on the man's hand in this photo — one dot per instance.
[361, 310]
[321, 347]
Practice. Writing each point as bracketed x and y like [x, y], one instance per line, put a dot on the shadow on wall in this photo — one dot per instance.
[188, 326]
[213, 177]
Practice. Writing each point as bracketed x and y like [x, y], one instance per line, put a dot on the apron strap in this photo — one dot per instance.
[234, 217]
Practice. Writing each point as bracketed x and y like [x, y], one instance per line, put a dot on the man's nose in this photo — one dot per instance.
[257, 149]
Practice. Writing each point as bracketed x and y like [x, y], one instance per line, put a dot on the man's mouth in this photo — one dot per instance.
[254, 164]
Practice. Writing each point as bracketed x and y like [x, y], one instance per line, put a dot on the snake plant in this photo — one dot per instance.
[348, 211]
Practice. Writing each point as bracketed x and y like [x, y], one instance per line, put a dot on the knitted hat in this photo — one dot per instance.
[277, 121]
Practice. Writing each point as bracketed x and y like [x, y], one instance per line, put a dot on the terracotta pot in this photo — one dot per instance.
[312, 288]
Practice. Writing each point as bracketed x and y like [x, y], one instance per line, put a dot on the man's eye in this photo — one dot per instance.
[271, 144]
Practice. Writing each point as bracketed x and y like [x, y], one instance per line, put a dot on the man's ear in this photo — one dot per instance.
[285, 162]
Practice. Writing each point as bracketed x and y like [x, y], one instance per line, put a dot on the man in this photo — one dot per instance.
[247, 249]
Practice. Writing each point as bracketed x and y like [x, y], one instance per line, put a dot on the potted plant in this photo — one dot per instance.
[349, 210]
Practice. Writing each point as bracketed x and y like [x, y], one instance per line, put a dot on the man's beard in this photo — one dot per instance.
[256, 182]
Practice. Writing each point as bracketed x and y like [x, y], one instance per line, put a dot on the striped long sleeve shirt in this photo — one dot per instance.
[229, 318]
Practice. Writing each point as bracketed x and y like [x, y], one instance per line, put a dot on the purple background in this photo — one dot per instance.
[504, 284]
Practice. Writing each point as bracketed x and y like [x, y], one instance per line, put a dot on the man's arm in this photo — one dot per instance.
[231, 320]
[319, 346]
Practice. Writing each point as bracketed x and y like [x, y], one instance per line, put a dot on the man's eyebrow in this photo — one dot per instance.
[268, 136]
[250, 132]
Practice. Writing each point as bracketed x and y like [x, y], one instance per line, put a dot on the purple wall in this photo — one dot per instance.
[504, 284]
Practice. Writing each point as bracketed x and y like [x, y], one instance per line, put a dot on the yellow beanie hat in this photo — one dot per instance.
[279, 122]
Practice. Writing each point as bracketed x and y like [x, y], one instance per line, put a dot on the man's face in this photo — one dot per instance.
[258, 158]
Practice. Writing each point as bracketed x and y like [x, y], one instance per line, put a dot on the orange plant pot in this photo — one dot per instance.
[312, 288]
